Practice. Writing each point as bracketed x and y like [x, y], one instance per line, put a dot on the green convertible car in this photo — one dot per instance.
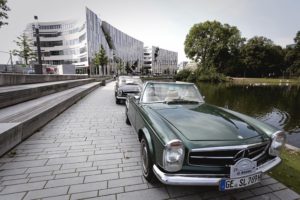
[185, 141]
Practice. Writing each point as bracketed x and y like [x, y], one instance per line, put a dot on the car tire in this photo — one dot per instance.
[147, 163]
[117, 101]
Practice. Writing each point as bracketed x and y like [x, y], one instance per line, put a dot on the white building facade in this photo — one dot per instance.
[76, 42]
[160, 61]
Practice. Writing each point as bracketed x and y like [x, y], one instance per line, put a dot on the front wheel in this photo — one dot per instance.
[147, 163]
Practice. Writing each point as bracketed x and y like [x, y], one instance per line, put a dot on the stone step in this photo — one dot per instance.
[11, 95]
[20, 121]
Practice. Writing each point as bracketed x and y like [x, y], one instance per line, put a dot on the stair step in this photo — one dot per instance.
[20, 121]
[11, 95]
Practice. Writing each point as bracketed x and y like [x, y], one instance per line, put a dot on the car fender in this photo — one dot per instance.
[144, 131]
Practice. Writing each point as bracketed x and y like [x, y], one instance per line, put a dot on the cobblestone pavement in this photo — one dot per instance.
[89, 152]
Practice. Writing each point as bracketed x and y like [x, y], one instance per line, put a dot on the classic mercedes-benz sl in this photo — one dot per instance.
[127, 85]
[185, 141]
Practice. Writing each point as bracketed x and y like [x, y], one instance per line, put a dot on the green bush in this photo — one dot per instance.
[200, 75]
[210, 75]
[183, 75]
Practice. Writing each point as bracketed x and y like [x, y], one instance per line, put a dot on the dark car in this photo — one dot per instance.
[185, 141]
[127, 85]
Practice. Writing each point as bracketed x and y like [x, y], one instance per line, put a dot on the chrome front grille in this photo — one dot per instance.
[227, 155]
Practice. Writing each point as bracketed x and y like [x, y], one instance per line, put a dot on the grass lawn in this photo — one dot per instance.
[267, 81]
[288, 172]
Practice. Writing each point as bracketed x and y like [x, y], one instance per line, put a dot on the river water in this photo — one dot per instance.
[276, 105]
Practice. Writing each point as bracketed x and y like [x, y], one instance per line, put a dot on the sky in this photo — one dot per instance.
[163, 23]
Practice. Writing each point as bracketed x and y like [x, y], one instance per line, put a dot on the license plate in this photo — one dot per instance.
[229, 184]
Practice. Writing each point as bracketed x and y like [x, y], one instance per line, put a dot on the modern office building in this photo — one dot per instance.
[159, 61]
[77, 41]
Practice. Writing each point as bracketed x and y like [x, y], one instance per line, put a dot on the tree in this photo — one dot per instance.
[3, 12]
[127, 68]
[100, 60]
[261, 58]
[212, 44]
[25, 48]
[292, 56]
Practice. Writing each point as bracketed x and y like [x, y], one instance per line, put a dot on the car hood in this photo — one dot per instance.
[206, 122]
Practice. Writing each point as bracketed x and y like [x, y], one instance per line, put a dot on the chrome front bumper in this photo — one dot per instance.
[123, 98]
[201, 180]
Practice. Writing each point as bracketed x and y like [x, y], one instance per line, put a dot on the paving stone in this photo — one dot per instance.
[105, 171]
[107, 162]
[64, 181]
[268, 181]
[105, 157]
[124, 182]
[109, 197]
[24, 158]
[84, 195]
[136, 167]
[136, 187]
[41, 178]
[287, 194]
[76, 165]
[62, 197]
[23, 164]
[242, 195]
[265, 197]
[50, 192]
[88, 187]
[111, 191]
[101, 177]
[8, 172]
[20, 176]
[176, 191]
[74, 159]
[22, 187]
[39, 174]
[14, 182]
[277, 186]
[16, 196]
[64, 171]
[149, 194]
[67, 175]
[130, 173]
[261, 190]
[88, 173]
[43, 169]
[85, 169]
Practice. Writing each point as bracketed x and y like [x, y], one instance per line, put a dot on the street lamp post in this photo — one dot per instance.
[38, 45]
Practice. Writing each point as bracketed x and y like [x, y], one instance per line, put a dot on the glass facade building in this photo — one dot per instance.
[159, 61]
[77, 41]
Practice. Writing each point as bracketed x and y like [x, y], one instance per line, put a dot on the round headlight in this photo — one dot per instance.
[119, 92]
[173, 156]
[278, 141]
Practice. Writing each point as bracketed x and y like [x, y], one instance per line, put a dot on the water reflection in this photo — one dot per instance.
[276, 105]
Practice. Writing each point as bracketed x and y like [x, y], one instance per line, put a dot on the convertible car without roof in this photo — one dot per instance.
[185, 141]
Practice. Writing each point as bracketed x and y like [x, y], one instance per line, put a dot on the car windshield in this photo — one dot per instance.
[171, 93]
[130, 81]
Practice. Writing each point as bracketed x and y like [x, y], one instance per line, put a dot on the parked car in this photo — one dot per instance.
[185, 141]
[127, 85]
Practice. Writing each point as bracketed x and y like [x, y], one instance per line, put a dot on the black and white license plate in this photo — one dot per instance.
[229, 184]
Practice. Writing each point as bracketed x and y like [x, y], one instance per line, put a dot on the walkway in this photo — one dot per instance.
[89, 152]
